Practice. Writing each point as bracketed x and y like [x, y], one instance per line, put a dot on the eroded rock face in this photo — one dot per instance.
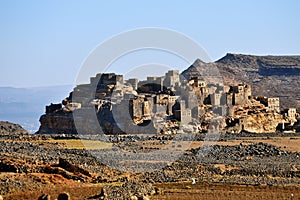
[253, 117]
[261, 123]
[57, 123]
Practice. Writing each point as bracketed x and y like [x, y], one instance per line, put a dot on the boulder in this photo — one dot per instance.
[65, 164]
[63, 196]
[43, 197]
[133, 197]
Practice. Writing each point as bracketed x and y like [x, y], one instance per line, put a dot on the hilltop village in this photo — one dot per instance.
[165, 105]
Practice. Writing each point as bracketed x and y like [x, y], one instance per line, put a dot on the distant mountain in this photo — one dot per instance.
[25, 105]
[272, 76]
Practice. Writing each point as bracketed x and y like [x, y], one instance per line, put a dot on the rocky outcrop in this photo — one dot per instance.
[253, 117]
[261, 123]
[61, 123]
[65, 164]
[11, 129]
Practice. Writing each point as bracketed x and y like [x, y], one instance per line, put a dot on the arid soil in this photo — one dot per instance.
[235, 167]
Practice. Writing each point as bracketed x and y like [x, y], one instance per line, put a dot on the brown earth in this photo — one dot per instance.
[256, 167]
[212, 191]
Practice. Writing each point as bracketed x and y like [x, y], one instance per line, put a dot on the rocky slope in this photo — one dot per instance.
[272, 76]
[9, 129]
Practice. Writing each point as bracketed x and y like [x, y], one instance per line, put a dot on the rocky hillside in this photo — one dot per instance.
[7, 128]
[272, 76]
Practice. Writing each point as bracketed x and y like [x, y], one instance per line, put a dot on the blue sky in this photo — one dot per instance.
[45, 42]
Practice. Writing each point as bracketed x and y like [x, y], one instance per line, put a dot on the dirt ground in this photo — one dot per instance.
[54, 184]
[184, 190]
[176, 191]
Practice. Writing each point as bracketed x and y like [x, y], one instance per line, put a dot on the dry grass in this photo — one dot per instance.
[84, 144]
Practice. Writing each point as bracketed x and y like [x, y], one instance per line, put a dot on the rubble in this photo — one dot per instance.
[129, 190]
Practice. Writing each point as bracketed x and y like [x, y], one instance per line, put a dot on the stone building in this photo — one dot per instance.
[140, 109]
[199, 88]
[290, 114]
[152, 105]
[183, 114]
[101, 80]
[171, 78]
[273, 105]
[133, 82]
[240, 94]
[216, 99]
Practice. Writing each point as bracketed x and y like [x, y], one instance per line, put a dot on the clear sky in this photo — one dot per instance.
[45, 42]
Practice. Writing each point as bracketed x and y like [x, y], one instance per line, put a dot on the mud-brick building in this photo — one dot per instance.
[133, 82]
[171, 78]
[290, 114]
[140, 108]
[183, 114]
[273, 104]
[241, 93]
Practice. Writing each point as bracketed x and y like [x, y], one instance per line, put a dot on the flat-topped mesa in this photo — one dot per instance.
[238, 59]
[266, 65]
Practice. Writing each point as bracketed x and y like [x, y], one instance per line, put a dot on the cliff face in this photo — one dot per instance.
[264, 65]
[273, 76]
[57, 123]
